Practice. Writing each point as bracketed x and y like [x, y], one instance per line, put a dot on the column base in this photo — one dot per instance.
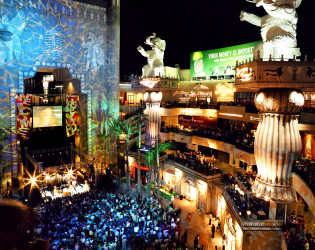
[277, 193]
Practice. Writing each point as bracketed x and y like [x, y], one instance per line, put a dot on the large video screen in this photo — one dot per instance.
[47, 116]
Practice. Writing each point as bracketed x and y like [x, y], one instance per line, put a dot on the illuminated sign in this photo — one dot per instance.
[191, 112]
[225, 92]
[219, 61]
[198, 112]
[229, 114]
[253, 118]
[149, 82]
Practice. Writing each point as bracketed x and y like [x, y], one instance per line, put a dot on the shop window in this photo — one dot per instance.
[131, 99]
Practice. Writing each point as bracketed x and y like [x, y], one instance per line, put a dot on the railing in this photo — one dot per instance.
[215, 135]
[252, 225]
[205, 177]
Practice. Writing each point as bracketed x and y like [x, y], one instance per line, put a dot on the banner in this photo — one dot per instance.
[23, 116]
[219, 62]
[72, 115]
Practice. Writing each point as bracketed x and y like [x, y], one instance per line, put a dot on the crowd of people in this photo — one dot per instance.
[249, 106]
[241, 139]
[246, 201]
[105, 220]
[305, 168]
[296, 235]
[196, 162]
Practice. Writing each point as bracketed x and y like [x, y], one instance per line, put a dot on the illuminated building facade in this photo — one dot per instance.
[74, 42]
[199, 101]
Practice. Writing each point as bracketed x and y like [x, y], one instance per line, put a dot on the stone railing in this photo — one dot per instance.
[206, 178]
[255, 225]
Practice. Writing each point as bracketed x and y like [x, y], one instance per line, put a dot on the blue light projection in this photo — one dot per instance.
[60, 34]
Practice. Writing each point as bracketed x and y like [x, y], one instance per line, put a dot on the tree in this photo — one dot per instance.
[152, 159]
[102, 117]
[115, 125]
[149, 161]
[128, 129]
[104, 135]
[140, 119]
[5, 131]
[159, 148]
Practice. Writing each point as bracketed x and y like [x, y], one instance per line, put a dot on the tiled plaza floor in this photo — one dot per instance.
[199, 224]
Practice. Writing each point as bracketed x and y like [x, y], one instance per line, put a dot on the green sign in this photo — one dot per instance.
[220, 62]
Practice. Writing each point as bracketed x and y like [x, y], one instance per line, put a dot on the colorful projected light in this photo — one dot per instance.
[72, 115]
[23, 120]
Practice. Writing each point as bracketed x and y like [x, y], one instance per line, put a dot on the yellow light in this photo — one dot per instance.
[248, 212]
[229, 114]
[260, 98]
[297, 98]
[33, 181]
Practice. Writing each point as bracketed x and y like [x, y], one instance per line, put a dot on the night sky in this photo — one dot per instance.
[192, 25]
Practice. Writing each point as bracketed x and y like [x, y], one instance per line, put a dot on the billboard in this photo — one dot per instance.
[47, 116]
[220, 62]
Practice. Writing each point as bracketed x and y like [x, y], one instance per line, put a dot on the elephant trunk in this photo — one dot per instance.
[148, 39]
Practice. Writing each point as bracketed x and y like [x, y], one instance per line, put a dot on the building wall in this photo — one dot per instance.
[60, 34]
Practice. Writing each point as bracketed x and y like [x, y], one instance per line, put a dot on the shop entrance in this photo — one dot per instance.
[229, 232]
[219, 210]
[191, 191]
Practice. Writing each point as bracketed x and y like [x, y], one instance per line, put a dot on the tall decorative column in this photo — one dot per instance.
[278, 141]
[153, 100]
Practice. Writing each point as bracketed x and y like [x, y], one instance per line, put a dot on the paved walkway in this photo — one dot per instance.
[199, 224]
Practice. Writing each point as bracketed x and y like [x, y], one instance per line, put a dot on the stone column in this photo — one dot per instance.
[277, 142]
[153, 125]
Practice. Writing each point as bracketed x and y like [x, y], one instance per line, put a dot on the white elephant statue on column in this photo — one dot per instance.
[278, 28]
[155, 66]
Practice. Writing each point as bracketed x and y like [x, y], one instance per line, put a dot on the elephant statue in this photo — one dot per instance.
[278, 28]
[155, 66]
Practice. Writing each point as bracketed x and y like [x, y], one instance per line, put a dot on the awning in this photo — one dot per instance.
[190, 182]
[170, 171]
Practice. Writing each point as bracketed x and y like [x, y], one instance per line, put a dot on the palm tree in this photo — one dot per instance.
[152, 159]
[140, 119]
[104, 135]
[159, 148]
[5, 131]
[149, 162]
[115, 125]
[102, 117]
[128, 129]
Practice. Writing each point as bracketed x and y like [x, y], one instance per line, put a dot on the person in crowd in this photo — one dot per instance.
[188, 217]
[196, 242]
[213, 230]
[108, 220]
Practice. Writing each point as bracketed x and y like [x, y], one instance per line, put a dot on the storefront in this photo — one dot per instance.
[230, 234]
[170, 178]
[308, 148]
[191, 191]
[219, 208]
[143, 172]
